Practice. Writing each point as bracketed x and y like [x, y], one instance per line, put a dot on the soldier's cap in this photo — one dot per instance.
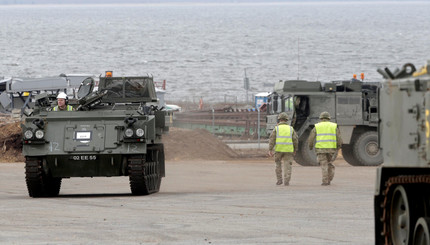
[325, 115]
[283, 116]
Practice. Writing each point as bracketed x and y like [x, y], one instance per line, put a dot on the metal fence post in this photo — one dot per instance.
[213, 121]
[258, 127]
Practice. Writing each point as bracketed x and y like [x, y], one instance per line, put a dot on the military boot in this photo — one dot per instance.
[279, 182]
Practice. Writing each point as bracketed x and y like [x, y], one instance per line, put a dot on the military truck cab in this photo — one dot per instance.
[351, 104]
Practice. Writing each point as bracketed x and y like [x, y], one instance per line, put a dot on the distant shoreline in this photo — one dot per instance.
[185, 2]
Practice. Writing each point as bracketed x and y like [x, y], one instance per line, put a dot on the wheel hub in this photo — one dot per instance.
[400, 213]
[402, 220]
[397, 218]
[372, 148]
[422, 233]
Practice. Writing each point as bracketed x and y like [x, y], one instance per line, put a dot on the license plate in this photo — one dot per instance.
[83, 158]
[83, 135]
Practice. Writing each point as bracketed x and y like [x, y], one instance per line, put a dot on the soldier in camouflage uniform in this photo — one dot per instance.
[284, 141]
[326, 138]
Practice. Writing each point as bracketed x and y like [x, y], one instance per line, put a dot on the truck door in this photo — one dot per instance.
[349, 108]
[288, 103]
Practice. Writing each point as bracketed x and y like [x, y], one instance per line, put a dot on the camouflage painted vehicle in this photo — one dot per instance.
[402, 193]
[114, 131]
[352, 104]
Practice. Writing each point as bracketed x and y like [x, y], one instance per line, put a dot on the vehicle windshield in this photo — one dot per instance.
[131, 88]
[281, 103]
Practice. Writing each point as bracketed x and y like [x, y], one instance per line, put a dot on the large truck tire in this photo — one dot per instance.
[304, 156]
[348, 155]
[366, 149]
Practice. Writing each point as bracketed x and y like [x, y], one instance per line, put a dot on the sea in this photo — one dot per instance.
[205, 50]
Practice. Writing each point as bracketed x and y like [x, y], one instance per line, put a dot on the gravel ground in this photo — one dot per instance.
[200, 202]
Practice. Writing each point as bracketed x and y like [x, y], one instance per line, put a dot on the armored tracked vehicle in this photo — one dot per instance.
[352, 104]
[402, 193]
[115, 130]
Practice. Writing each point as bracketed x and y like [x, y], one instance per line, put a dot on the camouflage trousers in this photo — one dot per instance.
[283, 160]
[327, 167]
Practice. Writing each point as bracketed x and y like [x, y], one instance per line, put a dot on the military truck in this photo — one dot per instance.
[402, 192]
[352, 104]
[115, 130]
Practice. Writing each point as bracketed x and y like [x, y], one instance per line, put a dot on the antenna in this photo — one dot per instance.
[246, 85]
[298, 59]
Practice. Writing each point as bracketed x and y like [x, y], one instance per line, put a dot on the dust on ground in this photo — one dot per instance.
[179, 144]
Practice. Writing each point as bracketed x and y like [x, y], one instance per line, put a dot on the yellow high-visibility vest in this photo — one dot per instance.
[284, 138]
[69, 108]
[326, 135]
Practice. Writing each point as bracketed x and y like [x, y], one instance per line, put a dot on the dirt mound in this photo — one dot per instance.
[184, 144]
[10, 142]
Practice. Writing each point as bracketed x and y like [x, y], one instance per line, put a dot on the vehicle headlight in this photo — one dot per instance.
[128, 132]
[28, 134]
[140, 132]
[39, 134]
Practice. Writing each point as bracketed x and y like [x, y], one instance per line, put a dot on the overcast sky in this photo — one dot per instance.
[153, 1]
[122, 1]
